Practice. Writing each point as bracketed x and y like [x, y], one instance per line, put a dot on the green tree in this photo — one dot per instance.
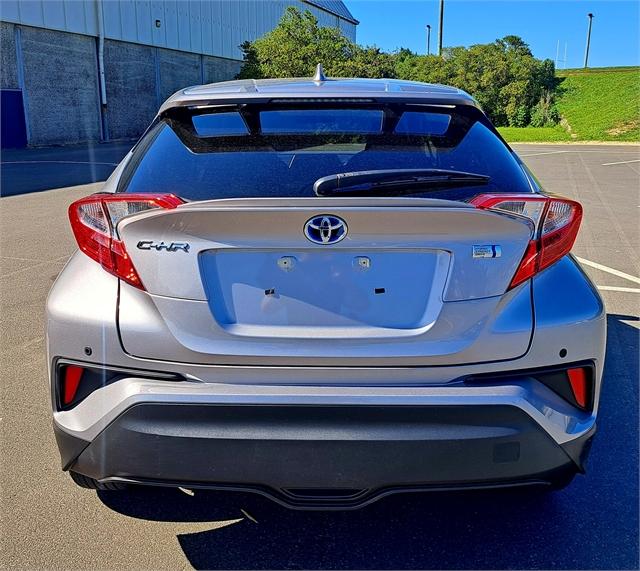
[366, 62]
[297, 44]
[511, 85]
[503, 76]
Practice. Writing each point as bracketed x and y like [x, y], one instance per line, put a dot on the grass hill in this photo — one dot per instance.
[598, 104]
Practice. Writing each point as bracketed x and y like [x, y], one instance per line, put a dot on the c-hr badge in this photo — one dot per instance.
[160, 246]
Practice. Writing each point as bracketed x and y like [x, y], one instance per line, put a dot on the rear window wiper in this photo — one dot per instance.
[395, 182]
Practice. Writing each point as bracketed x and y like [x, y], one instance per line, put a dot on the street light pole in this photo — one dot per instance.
[440, 27]
[428, 39]
[586, 51]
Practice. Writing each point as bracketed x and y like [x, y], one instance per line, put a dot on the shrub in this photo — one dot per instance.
[545, 113]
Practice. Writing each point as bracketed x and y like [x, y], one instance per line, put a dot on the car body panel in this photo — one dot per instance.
[70, 302]
[439, 303]
[276, 225]
[166, 328]
[266, 90]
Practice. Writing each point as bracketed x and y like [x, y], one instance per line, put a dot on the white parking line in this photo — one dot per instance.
[544, 153]
[622, 289]
[609, 270]
[579, 151]
[621, 162]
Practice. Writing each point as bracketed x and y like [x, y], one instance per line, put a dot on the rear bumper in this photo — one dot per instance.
[324, 456]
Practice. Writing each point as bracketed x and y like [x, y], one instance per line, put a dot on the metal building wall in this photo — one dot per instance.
[208, 27]
[49, 59]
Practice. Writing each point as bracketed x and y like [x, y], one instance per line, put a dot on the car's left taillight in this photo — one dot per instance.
[94, 219]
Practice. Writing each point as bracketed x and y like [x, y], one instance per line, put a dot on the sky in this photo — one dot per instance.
[615, 36]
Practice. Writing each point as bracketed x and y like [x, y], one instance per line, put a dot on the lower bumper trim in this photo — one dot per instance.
[284, 451]
[361, 498]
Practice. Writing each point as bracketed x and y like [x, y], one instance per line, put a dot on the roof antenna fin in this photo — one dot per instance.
[319, 76]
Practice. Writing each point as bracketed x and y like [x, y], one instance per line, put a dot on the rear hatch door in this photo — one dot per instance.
[412, 282]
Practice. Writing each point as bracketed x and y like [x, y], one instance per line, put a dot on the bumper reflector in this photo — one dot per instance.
[75, 382]
[573, 382]
[578, 381]
[72, 376]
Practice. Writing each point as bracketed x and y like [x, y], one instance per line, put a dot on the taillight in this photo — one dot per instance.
[556, 223]
[94, 219]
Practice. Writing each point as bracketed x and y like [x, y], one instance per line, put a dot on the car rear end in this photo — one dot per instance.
[222, 326]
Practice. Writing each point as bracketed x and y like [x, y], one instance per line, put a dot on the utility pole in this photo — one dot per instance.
[440, 27]
[561, 63]
[428, 39]
[586, 51]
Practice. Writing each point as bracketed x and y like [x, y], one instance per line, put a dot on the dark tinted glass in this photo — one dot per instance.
[208, 156]
[321, 121]
[218, 124]
[422, 123]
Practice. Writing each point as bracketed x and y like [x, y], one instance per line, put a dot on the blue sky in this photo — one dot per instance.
[390, 24]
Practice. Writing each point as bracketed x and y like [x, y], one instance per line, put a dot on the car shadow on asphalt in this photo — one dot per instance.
[592, 524]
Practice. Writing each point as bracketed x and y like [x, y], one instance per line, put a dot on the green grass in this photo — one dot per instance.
[534, 134]
[601, 105]
[592, 70]
[596, 104]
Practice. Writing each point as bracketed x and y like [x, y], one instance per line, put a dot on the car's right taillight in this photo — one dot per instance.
[556, 224]
[94, 219]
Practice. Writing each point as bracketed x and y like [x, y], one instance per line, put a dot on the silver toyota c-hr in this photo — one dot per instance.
[324, 291]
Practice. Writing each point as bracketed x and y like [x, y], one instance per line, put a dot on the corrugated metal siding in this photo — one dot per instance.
[210, 27]
[335, 7]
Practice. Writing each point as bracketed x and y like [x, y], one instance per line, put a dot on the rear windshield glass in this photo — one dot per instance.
[218, 124]
[321, 121]
[281, 152]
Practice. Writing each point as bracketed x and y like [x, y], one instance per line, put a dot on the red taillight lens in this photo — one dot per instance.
[559, 230]
[556, 222]
[579, 386]
[94, 219]
[72, 376]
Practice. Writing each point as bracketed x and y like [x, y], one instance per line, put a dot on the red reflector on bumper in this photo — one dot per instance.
[72, 376]
[578, 380]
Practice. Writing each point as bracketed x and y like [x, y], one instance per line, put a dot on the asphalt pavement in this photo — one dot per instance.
[33, 170]
[47, 522]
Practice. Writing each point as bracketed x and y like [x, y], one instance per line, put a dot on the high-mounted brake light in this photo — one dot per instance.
[94, 220]
[556, 222]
